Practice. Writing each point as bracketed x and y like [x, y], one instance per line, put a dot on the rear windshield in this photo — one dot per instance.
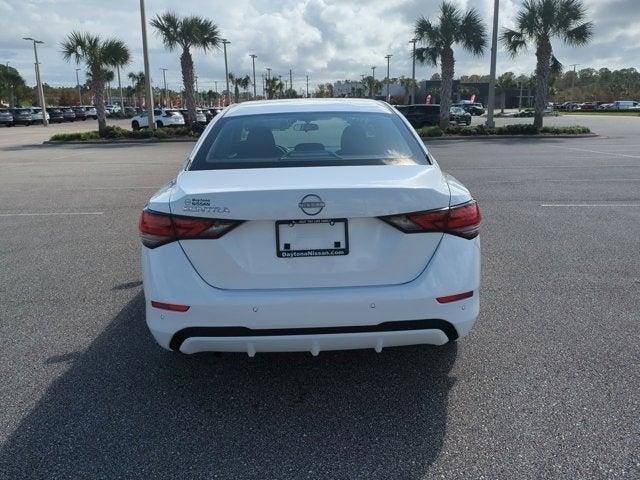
[308, 139]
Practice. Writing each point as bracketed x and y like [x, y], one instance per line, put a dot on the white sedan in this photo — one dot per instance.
[163, 117]
[310, 225]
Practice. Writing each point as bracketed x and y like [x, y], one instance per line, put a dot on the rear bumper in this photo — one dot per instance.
[311, 319]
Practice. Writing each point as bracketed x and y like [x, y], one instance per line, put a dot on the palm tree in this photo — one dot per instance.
[453, 27]
[186, 33]
[408, 84]
[139, 81]
[273, 85]
[99, 56]
[373, 85]
[238, 83]
[505, 82]
[537, 22]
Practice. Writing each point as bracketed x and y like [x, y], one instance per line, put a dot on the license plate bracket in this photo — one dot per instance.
[312, 238]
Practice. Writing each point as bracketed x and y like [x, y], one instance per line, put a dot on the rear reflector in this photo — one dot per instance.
[460, 220]
[170, 306]
[159, 228]
[455, 298]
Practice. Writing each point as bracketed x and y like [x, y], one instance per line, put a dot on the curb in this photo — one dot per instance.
[504, 137]
[124, 141]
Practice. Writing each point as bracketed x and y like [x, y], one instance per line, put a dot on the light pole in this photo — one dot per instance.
[253, 62]
[492, 75]
[197, 92]
[573, 82]
[164, 79]
[43, 106]
[307, 86]
[121, 94]
[373, 81]
[147, 69]
[413, 71]
[388, 57]
[225, 42]
[268, 78]
[78, 85]
[290, 83]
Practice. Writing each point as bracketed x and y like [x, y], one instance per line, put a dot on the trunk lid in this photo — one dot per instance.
[248, 256]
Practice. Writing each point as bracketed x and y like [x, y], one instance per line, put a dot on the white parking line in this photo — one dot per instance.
[574, 180]
[595, 151]
[47, 214]
[589, 205]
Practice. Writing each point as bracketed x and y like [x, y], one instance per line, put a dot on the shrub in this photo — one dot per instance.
[574, 130]
[431, 132]
[68, 137]
[518, 129]
[114, 132]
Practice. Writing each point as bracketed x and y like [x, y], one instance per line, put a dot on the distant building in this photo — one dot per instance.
[348, 89]
[464, 91]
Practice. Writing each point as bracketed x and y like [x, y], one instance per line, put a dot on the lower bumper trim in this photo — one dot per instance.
[221, 332]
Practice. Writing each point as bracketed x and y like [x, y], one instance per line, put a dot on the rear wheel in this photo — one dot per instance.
[135, 125]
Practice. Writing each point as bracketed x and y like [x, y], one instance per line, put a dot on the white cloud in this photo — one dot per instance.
[325, 39]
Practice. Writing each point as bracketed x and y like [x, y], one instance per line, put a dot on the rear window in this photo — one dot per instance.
[308, 139]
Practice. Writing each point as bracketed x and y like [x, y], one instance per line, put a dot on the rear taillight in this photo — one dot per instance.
[460, 220]
[159, 228]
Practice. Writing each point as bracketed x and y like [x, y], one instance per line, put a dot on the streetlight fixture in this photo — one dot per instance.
[226, 42]
[373, 81]
[253, 61]
[388, 57]
[122, 114]
[413, 71]
[492, 75]
[164, 79]
[147, 69]
[45, 122]
[268, 78]
[78, 85]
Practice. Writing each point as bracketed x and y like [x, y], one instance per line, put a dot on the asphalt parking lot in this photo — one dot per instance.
[546, 386]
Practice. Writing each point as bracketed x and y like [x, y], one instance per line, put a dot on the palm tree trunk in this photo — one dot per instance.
[543, 69]
[504, 102]
[186, 63]
[447, 67]
[97, 86]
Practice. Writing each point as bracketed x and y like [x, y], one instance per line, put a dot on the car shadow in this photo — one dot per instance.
[127, 409]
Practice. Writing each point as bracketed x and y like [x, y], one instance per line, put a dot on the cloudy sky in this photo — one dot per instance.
[325, 39]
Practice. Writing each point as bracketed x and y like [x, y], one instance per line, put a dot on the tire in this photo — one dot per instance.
[135, 126]
[468, 122]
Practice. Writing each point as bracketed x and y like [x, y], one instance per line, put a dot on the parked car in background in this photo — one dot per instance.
[130, 112]
[242, 253]
[81, 113]
[21, 116]
[164, 118]
[91, 112]
[476, 109]
[587, 106]
[55, 115]
[6, 117]
[457, 115]
[605, 106]
[421, 115]
[36, 114]
[200, 115]
[211, 113]
[69, 114]
[625, 105]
